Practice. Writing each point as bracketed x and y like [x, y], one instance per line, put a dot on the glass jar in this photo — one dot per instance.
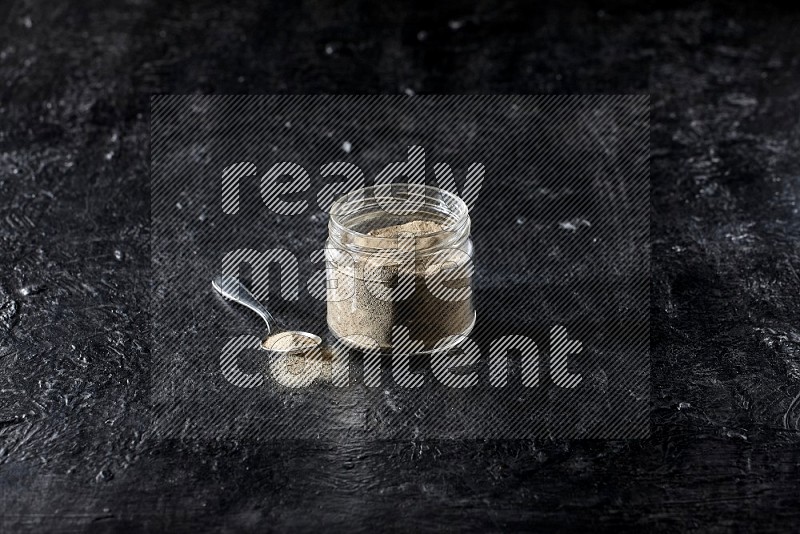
[399, 268]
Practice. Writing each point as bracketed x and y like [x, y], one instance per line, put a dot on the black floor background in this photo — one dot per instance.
[75, 79]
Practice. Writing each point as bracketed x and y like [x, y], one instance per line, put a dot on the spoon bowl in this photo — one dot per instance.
[300, 342]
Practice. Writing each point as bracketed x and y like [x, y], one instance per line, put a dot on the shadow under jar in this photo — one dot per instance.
[399, 255]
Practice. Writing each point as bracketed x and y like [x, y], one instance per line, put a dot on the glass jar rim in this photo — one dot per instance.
[457, 212]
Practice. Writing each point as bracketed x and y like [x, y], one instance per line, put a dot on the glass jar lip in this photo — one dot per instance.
[459, 209]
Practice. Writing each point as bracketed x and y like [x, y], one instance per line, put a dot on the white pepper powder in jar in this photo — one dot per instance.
[399, 255]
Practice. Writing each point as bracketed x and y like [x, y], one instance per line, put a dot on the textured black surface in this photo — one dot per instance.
[74, 266]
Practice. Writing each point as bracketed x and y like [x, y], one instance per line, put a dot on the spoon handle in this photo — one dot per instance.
[230, 288]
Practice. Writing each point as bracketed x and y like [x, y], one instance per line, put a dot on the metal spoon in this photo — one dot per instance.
[287, 341]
